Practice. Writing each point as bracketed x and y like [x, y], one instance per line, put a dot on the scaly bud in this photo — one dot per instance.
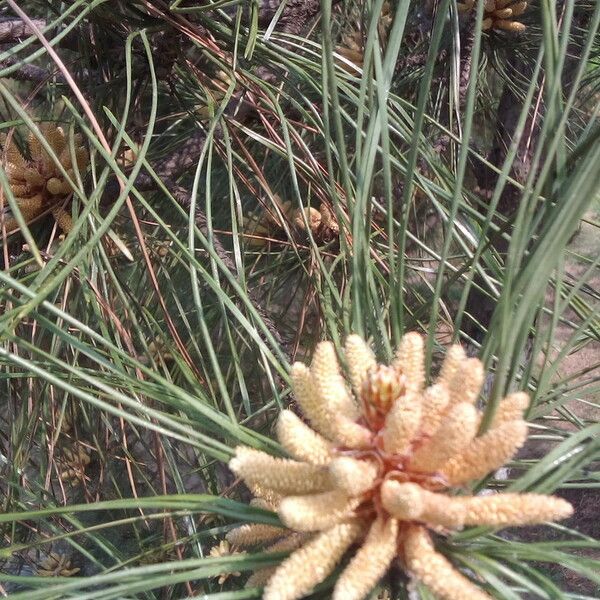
[381, 387]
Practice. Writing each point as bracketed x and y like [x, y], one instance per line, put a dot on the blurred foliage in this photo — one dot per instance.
[157, 335]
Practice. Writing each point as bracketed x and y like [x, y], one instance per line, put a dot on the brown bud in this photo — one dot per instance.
[382, 386]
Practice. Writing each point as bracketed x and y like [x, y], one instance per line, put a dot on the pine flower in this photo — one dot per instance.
[375, 467]
[300, 441]
[56, 565]
[451, 438]
[434, 403]
[38, 183]
[411, 502]
[410, 361]
[279, 474]
[215, 89]
[354, 477]
[253, 534]
[486, 453]
[370, 562]
[224, 549]
[434, 570]
[352, 48]
[269, 223]
[290, 542]
[73, 462]
[316, 512]
[312, 563]
[498, 14]
[360, 359]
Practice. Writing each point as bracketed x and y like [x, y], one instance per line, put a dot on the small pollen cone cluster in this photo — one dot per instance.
[370, 472]
[352, 47]
[215, 90]
[38, 183]
[73, 462]
[56, 565]
[224, 549]
[268, 224]
[498, 14]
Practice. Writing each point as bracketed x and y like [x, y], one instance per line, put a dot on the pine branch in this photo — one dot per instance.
[293, 19]
[12, 29]
[26, 72]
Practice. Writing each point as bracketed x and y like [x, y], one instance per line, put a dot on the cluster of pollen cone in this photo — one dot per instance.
[498, 14]
[352, 47]
[38, 183]
[267, 223]
[370, 475]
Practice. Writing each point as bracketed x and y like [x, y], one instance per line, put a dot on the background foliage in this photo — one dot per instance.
[460, 168]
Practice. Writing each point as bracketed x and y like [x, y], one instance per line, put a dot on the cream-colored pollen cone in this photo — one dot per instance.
[300, 441]
[352, 476]
[384, 461]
